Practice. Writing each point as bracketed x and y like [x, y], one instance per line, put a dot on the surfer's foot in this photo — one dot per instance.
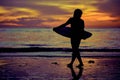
[69, 65]
[80, 66]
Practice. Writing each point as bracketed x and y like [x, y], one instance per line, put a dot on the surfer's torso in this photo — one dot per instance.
[77, 26]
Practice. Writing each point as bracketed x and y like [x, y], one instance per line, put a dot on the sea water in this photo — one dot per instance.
[106, 38]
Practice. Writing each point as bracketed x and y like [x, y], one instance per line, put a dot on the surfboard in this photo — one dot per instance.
[66, 32]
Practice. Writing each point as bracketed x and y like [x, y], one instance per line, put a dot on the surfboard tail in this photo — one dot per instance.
[86, 35]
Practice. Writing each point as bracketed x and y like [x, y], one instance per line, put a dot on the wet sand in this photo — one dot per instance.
[54, 68]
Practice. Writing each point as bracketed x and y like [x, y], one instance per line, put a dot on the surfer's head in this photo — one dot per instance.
[77, 13]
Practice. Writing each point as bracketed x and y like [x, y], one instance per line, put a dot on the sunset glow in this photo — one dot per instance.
[50, 13]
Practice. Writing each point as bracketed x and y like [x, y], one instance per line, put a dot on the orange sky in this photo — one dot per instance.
[51, 13]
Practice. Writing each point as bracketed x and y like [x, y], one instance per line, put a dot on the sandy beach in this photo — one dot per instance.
[54, 68]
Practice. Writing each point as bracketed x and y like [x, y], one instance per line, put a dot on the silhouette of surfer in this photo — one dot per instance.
[77, 29]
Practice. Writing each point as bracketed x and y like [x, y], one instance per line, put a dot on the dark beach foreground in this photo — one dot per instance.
[54, 68]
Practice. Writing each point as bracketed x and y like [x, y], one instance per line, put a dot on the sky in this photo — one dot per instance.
[52, 13]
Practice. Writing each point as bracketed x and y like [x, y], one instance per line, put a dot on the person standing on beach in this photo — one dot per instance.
[77, 28]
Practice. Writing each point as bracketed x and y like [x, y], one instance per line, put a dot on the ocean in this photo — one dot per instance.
[102, 38]
[107, 38]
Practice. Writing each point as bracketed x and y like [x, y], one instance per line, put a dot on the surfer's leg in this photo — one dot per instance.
[78, 55]
[73, 44]
[72, 60]
[79, 59]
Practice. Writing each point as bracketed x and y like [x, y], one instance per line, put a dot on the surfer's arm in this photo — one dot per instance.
[66, 23]
[82, 25]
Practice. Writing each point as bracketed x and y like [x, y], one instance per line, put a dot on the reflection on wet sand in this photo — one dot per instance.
[74, 75]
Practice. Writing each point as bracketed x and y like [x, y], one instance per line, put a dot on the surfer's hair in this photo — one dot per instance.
[77, 13]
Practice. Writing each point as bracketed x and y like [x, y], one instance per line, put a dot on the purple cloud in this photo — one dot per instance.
[110, 6]
[45, 9]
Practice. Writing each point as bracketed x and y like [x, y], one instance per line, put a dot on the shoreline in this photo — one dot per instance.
[61, 54]
[44, 56]
[38, 49]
